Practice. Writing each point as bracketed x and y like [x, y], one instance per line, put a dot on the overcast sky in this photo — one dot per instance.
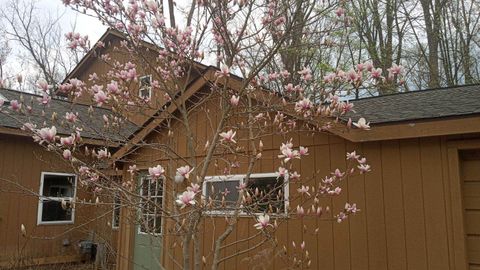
[85, 25]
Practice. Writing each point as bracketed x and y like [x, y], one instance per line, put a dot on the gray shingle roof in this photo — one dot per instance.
[91, 122]
[417, 105]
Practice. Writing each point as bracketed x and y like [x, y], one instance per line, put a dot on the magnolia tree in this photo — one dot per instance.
[242, 111]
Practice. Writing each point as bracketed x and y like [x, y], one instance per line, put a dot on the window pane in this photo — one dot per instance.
[53, 211]
[267, 191]
[145, 81]
[116, 210]
[58, 185]
[223, 189]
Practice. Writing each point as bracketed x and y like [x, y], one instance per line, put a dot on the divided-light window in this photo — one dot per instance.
[116, 210]
[151, 203]
[145, 90]
[57, 191]
[268, 193]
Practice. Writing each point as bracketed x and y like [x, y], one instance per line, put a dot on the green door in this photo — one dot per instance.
[148, 242]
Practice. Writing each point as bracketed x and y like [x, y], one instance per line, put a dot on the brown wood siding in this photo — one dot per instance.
[144, 61]
[404, 223]
[22, 162]
[470, 173]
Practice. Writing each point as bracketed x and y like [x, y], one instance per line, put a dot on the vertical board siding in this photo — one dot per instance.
[358, 223]
[393, 201]
[413, 204]
[403, 222]
[22, 162]
[375, 208]
[341, 231]
[434, 200]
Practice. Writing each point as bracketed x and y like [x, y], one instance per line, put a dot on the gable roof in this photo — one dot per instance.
[419, 105]
[94, 130]
[102, 43]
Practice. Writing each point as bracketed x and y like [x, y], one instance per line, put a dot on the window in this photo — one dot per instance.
[268, 193]
[151, 203]
[145, 90]
[57, 191]
[116, 211]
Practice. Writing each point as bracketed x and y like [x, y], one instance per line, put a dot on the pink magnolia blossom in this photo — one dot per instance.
[42, 85]
[304, 190]
[100, 97]
[15, 105]
[363, 168]
[194, 187]
[241, 186]
[282, 172]
[228, 136]
[48, 134]
[71, 117]
[352, 155]
[103, 153]
[187, 198]
[303, 106]
[67, 154]
[351, 208]
[113, 88]
[263, 222]
[132, 169]
[376, 73]
[395, 69]
[45, 99]
[67, 141]
[224, 72]
[156, 172]
[294, 176]
[306, 74]
[362, 124]
[234, 100]
[83, 170]
[337, 173]
[303, 151]
[184, 171]
[2, 101]
[340, 12]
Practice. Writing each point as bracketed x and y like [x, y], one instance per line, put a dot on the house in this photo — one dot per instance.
[418, 205]
[34, 181]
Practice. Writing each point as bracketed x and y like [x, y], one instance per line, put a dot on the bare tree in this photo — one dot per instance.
[40, 38]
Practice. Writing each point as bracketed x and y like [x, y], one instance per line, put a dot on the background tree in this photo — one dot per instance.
[40, 40]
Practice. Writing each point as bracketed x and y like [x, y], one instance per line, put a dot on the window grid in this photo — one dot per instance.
[43, 199]
[151, 199]
[240, 180]
[145, 89]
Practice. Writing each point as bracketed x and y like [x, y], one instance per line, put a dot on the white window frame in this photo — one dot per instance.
[140, 88]
[42, 198]
[115, 195]
[241, 178]
[139, 231]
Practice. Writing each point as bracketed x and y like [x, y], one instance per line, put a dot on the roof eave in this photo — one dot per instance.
[411, 129]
